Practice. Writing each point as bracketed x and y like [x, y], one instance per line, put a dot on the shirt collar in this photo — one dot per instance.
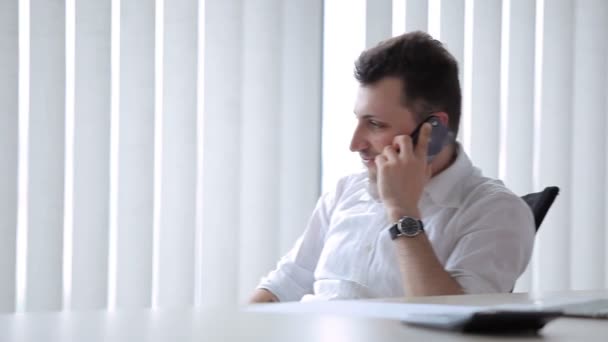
[365, 195]
[447, 188]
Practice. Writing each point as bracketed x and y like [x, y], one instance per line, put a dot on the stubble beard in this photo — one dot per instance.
[372, 184]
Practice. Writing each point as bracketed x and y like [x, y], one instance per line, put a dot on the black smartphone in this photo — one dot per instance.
[486, 322]
[440, 136]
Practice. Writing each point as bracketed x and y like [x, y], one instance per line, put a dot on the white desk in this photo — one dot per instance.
[214, 325]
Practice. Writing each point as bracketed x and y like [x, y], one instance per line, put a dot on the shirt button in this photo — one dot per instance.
[368, 248]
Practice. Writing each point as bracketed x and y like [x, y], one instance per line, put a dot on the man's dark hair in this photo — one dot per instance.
[428, 72]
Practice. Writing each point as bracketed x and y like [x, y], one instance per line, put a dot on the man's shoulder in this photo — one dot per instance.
[492, 194]
[346, 189]
[484, 187]
[345, 192]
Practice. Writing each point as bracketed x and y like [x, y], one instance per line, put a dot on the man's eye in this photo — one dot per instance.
[375, 124]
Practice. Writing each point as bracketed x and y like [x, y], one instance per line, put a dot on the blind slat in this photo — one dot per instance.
[519, 99]
[135, 155]
[589, 144]
[91, 155]
[178, 190]
[340, 89]
[8, 151]
[452, 35]
[259, 155]
[300, 146]
[46, 156]
[379, 15]
[485, 91]
[552, 251]
[606, 184]
[416, 15]
[518, 104]
[452, 29]
[222, 142]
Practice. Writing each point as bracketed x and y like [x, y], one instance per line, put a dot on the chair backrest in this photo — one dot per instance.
[540, 202]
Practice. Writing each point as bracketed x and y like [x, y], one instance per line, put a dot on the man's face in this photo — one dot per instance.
[381, 116]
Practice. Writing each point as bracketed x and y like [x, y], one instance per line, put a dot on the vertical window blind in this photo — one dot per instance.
[167, 153]
[154, 153]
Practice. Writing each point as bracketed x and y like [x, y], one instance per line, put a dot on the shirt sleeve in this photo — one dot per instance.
[293, 276]
[496, 245]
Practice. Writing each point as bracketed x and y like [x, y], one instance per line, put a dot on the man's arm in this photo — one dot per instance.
[425, 274]
[294, 275]
[403, 172]
[262, 296]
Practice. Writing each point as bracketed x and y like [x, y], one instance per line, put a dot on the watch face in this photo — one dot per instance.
[409, 226]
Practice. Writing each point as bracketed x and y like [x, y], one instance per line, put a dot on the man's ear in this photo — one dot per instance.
[444, 118]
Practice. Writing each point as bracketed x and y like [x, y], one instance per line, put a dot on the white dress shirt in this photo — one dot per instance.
[481, 233]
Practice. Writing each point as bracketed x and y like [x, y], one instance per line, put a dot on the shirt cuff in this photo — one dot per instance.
[285, 285]
[474, 284]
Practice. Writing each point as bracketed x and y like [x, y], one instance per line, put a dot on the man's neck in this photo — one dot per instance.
[444, 159]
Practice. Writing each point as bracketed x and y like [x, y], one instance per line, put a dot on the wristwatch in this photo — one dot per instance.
[406, 226]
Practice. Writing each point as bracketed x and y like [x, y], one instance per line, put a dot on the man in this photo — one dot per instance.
[407, 226]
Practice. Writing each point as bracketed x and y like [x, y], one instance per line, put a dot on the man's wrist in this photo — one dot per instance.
[394, 214]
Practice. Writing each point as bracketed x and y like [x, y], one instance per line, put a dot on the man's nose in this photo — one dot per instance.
[358, 141]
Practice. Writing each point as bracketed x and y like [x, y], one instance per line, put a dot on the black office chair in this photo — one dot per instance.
[540, 202]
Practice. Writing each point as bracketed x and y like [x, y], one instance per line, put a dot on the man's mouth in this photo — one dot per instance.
[368, 161]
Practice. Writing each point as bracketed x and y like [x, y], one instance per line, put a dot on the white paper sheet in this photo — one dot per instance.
[397, 311]
[561, 304]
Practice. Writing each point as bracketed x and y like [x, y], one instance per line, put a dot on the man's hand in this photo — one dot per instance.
[403, 172]
[263, 296]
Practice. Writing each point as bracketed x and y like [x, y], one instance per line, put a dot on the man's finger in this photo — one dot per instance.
[404, 144]
[380, 160]
[390, 153]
